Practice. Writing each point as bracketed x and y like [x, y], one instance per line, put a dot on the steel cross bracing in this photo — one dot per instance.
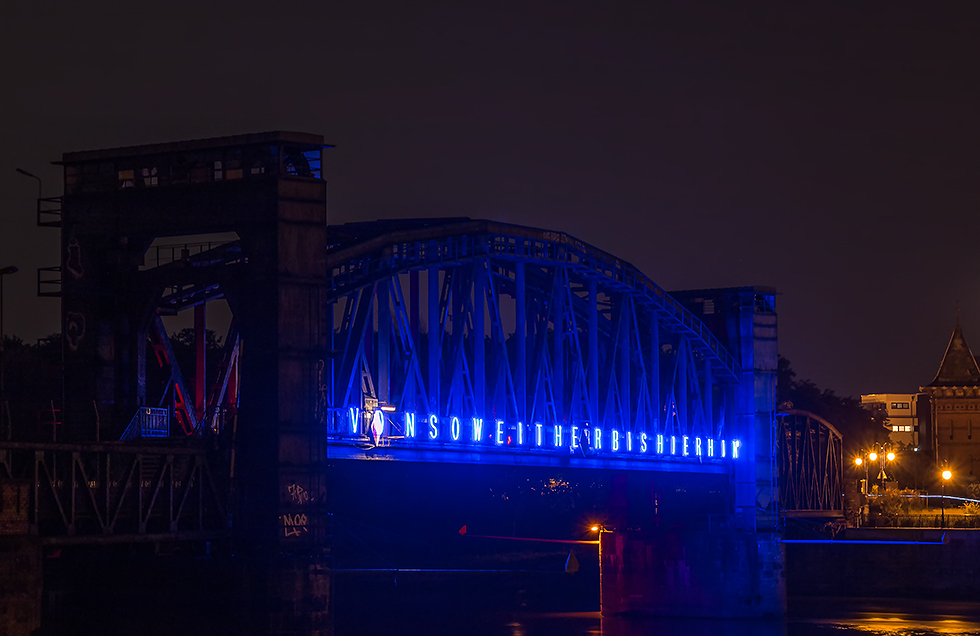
[491, 320]
[811, 463]
[116, 492]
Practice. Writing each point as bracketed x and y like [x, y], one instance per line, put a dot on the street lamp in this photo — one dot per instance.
[946, 477]
[10, 269]
[859, 461]
[879, 454]
[32, 176]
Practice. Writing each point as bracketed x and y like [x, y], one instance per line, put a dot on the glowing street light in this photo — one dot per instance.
[878, 453]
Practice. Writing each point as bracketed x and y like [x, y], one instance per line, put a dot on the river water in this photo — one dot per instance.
[827, 617]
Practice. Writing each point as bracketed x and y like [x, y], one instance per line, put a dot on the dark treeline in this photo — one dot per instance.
[857, 423]
[32, 383]
[32, 378]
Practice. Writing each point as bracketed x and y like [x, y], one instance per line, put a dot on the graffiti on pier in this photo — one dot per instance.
[298, 494]
[294, 525]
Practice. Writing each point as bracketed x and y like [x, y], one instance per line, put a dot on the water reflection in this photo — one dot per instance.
[848, 622]
[901, 625]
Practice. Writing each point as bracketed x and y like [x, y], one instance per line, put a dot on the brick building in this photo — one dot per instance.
[952, 431]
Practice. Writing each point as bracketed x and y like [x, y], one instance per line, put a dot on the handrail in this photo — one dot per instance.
[49, 207]
[44, 285]
[148, 422]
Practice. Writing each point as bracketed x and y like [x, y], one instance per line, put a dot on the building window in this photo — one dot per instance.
[900, 406]
[149, 177]
[127, 179]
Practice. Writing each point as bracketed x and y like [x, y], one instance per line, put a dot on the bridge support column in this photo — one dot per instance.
[299, 596]
[714, 573]
[728, 565]
[21, 570]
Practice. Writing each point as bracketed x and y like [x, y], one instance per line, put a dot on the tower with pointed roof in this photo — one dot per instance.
[954, 428]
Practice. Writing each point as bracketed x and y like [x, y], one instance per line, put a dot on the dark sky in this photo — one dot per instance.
[832, 152]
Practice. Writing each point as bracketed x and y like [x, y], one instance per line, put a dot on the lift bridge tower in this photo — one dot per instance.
[157, 230]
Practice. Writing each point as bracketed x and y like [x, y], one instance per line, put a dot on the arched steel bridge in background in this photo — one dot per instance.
[464, 318]
[811, 465]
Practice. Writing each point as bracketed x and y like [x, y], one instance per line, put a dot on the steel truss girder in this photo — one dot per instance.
[352, 267]
[811, 463]
[520, 328]
[116, 492]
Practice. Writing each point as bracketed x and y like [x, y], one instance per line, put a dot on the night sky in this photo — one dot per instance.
[832, 152]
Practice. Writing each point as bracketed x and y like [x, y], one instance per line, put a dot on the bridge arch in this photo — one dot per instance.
[811, 465]
[458, 318]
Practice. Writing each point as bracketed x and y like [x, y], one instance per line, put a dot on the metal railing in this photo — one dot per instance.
[159, 255]
[148, 422]
[49, 281]
[49, 212]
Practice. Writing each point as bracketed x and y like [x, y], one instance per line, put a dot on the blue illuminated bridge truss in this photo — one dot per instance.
[473, 341]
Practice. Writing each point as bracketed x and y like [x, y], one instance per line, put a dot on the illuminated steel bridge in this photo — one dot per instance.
[452, 340]
[498, 343]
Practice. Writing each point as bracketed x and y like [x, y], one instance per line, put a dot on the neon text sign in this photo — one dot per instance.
[584, 439]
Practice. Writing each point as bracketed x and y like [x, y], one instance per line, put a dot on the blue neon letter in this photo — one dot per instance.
[684, 448]
[574, 437]
[433, 428]
[355, 420]
[537, 433]
[660, 444]
[722, 448]
[454, 428]
[557, 435]
[615, 442]
[499, 433]
[711, 447]
[643, 442]
[477, 429]
[673, 444]
[520, 434]
[598, 438]
[629, 441]
[410, 425]
[735, 445]
[697, 446]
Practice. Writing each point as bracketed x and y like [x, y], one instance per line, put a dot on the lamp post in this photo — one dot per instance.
[32, 176]
[10, 269]
[859, 461]
[879, 454]
[947, 475]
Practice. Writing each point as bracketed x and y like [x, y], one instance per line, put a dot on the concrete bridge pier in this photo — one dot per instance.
[21, 573]
[732, 566]
[298, 596]
[721, 573]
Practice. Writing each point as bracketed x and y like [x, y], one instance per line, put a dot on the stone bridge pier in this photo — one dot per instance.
[728, 565]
